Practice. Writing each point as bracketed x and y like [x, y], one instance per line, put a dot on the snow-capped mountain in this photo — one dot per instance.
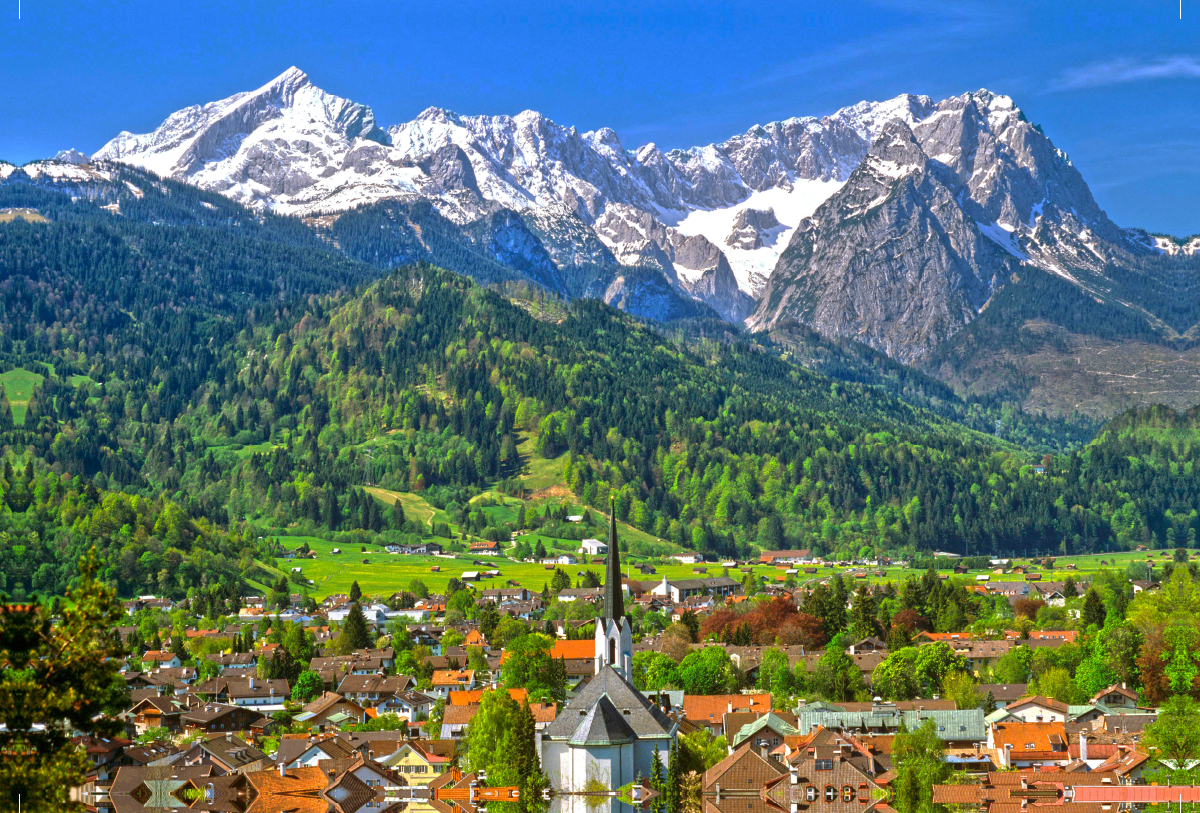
[294, 149]
[891, 222]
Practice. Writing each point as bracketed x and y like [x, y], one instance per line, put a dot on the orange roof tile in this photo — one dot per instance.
[712, 708]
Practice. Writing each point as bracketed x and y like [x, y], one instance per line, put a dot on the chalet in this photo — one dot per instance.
[370, 690]
[156, 657]
[457, 679]
[709, 711]
[330, 704]
[226, 752]
[1038, 709]
[1117, 696]
[678, 590]
[417, 762]
[408, 704]
[218, 717]
[593, 547]
[485, 548]
[1027, 745]
[581, 593]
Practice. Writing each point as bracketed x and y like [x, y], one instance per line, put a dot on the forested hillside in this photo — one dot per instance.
[193, 378]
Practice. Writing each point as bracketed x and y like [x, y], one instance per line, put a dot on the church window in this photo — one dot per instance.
[612, 651]
[830, 793]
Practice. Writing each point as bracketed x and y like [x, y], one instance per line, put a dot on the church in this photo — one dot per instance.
[609, 734]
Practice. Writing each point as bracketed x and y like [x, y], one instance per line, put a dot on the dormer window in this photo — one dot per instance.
[847, 794]
[830, 793]
[810, 794]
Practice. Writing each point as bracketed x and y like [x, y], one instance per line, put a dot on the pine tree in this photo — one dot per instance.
[674, 777]
[1070, 590]
[657, 782]
[1093, 609]
[355, 629]
[355, 591]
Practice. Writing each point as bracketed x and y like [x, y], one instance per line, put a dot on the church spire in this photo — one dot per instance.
[614, 598]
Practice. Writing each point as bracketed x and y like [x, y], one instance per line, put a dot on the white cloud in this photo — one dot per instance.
[1124, 70]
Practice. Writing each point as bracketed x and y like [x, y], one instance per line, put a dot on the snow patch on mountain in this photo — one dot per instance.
[751, 267]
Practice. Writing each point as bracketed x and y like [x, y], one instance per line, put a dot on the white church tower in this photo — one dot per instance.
[614, 639]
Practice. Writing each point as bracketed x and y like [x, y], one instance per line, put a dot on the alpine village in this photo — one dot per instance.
[441, 468]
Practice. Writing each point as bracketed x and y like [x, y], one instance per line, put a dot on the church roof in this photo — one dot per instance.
[602, 725]
[644, 718]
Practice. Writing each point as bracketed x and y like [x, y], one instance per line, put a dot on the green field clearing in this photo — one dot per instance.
[18, 388]
[28, 215]
[538, 473]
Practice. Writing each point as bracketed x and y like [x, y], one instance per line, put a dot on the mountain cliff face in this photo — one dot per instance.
[938, 215]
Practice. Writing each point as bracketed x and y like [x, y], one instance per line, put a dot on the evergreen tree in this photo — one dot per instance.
[355, 591]
[1070, 590]
[355, 629]
[1093, 609]
[658, 783]
[674, 778]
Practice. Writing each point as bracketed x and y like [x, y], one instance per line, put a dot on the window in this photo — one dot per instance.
[824, 764]
[847, 794]
[810, 794]
[830, 793]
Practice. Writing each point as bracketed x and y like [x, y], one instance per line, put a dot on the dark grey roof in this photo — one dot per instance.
[603, 725]
[645, 719]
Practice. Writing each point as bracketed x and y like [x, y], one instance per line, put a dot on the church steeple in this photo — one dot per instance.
[614, 638]
[614, 598]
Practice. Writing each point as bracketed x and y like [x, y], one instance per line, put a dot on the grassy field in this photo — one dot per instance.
[28, 215]
[18, 387]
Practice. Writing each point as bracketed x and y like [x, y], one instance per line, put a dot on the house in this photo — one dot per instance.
[1011, 590]
[158, 711]
[743, 772]
[213, 718]
[306, 752]
[408, 704]
[559, 559]
[709, 711]
[960, 728]
[370, 690]
[584, 593]
[251, 691]
[593, 547]
[418, 763]
[156, 657]
[484, 547]
[825, 773]
[688, 558]
[1038, 709]
[1026, 745]
[457, 679]
[226, 752]
[678, 590]
[1116, 697]
[329, 704]
[867, 645]
[456, 719]
[770, 728]
[475, 638]
[225, 660]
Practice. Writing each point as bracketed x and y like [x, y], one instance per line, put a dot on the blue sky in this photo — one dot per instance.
[1114, 84]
